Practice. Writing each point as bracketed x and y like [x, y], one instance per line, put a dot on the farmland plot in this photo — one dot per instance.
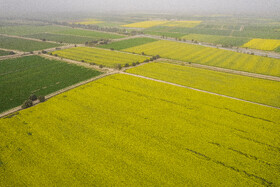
[24, 44]
[242, 87]
[216, 39]
[21, 77]
[145, 24]
[210, 56]
[263, 44]
[127, 131]
[88, 33]
[189, 24]
[100, 56]
[123, 44]
[61, 38]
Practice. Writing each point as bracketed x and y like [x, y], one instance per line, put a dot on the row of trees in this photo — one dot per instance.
[29, 102]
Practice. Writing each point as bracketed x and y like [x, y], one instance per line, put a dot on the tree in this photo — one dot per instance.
[42, 98]
[118, 66]
[33, 97]
[28, 103]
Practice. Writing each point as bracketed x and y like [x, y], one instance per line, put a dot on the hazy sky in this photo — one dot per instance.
[182, 6]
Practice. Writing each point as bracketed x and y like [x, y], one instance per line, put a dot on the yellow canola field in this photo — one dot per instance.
[210, 56]
[100, 56]
[89, 22]
[128, 131]
[263, 44]
[188, 24]
[145, 24]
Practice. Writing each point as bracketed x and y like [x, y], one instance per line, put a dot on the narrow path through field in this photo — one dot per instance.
[212, 93]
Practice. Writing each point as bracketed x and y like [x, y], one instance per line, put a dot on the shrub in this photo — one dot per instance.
[112, 49]
[12, 53]
[33, 97]
[157, 56]
[42, 98]
[28, 103]
[133, 64]
[126, 65]
[143, 53]
[137, 63]
[92, 63]
[82, 61]
[101, 66]
[118, 66]
[44, 52]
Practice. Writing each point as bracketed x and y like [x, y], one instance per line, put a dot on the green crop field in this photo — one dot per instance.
[4, 53]
[123, 44]
[210, 56]
[100, 56]
[247, 88]
[215, 39]
[166, 34]
[88, 33]
[257, 34]
[184, 30]
[28, 29]
[21, 77]
[61, 38]
[24, 44]
[127, 131]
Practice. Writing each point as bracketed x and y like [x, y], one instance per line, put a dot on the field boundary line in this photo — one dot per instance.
[17, 109]
[191, 88]
[219, 69]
